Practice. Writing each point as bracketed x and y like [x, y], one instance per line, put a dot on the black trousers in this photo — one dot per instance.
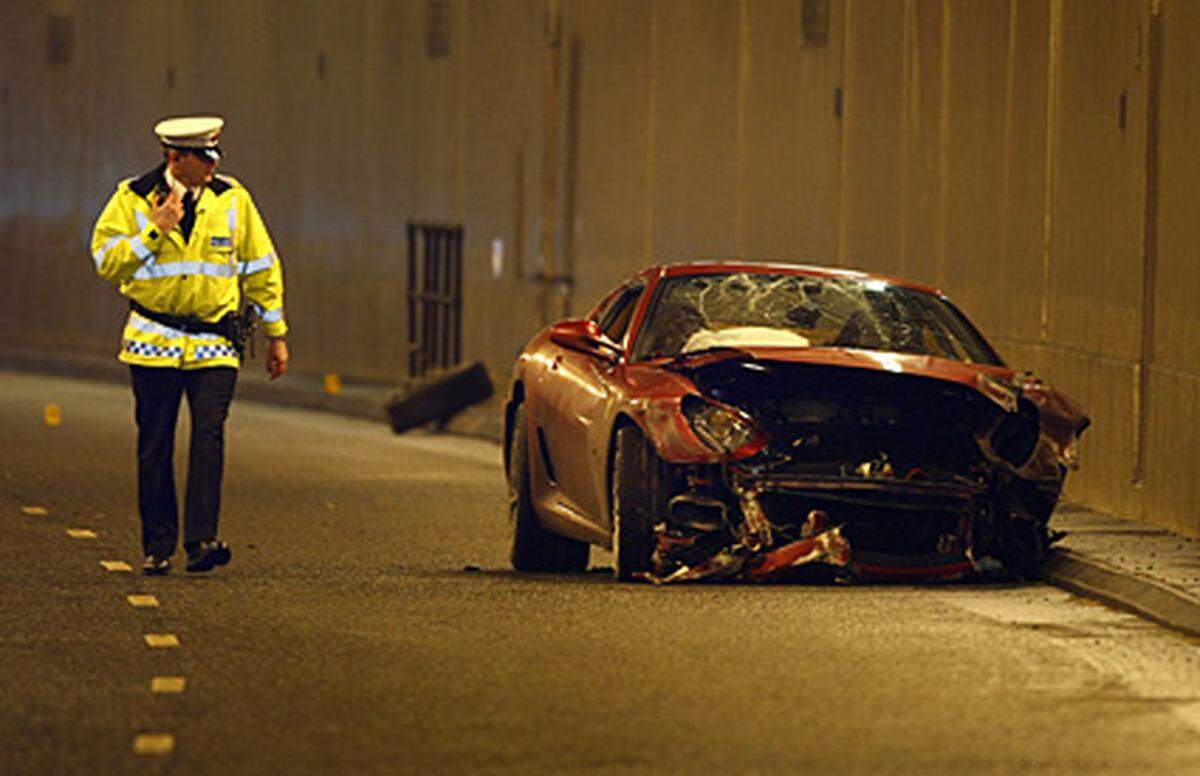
[158, 392]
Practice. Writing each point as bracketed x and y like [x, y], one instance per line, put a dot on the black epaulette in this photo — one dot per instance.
[218, 186]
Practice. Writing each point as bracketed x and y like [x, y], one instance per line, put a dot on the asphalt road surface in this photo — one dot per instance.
[369, 622]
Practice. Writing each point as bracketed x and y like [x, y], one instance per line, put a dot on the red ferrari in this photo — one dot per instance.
[730, 420]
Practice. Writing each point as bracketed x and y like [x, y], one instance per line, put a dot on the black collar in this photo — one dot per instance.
[150, 181]
[156, 179]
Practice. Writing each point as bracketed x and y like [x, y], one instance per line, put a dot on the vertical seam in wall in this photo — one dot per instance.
[460, 88]
[1010, 81]
[742, 100]
[1149, 243]
[648, 211]
[944, 144]
[844, 128]
[1054, 42]
[907, 102]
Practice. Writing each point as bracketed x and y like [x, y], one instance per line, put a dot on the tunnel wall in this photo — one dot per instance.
[1036, 159]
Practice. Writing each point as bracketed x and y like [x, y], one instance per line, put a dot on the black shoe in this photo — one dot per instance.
[156, 565]
[208, 555]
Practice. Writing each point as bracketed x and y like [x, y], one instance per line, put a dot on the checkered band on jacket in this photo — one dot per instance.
[205, 352]
[152, 351]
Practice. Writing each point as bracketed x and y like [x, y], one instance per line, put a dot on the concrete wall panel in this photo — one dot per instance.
[819, 101]
[506, 55]
[695, 129]
[1178, 236]
[1173, 435]
[977, 37]
[1171, 492]
[1020, 277]
[1095, 293]
[871, 194]
[608, 138]
[768, 132]
[922, 198]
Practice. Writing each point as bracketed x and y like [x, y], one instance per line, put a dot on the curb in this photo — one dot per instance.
[1146, 598]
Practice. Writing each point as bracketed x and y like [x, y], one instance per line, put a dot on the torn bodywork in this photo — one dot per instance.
[868, 474]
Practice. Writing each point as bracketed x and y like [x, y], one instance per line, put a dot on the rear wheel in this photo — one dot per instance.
[632, 503]
[533, 547]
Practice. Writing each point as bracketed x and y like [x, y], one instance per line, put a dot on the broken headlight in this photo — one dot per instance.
[721, 428]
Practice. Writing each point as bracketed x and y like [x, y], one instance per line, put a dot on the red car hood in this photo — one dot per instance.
[854, 358]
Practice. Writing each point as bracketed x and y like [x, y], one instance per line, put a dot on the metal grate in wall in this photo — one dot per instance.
[434, 297]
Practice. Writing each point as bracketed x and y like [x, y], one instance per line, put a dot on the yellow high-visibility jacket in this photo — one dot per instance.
[229, 245]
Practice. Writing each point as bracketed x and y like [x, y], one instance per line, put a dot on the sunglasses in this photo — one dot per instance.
[203, 154]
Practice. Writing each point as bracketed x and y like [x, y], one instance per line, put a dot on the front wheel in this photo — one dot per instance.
[533, 547]
[632, 504]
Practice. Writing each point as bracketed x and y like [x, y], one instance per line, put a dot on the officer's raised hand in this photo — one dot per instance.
[168, 212]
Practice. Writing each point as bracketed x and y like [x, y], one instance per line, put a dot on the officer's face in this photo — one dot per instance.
[191, 169]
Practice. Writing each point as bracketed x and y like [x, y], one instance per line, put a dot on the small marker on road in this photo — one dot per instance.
[53, 415]
[81, 533]
[35, 511]
[161, 640]
[154, 743]
[168, 684]
[142, 601]
[116, 565]
[333, 383]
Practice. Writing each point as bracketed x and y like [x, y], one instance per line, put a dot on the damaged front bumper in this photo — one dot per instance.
[770, 527]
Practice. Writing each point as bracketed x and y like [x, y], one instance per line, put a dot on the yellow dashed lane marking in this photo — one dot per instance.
[161, 640]
[35, 511]
[81, 533]
[142, 601]
[116, 565]
[154, 743]
[168, 684]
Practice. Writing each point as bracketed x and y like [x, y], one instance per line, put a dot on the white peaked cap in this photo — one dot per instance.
[192, 132]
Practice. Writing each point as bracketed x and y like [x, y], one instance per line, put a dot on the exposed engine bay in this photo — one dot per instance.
[866, 474]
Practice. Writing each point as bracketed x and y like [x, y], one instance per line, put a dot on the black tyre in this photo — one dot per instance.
[533, 547]
[632, 503]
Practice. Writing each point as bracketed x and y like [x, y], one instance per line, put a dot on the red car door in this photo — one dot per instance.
[576, 394]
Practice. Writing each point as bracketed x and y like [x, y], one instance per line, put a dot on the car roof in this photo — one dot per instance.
[809, 270]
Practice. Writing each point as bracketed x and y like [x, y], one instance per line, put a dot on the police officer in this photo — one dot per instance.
[184, 246]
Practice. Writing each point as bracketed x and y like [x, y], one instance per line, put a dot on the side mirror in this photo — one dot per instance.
[585, 337]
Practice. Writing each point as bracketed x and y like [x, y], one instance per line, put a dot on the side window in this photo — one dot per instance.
[615, 320]
[605, 305]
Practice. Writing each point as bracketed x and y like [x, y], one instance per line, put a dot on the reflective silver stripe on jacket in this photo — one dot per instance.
[140, 250]
[273, 316]
[233, 219]
[100, 254]
[258, 265]
[185, 268]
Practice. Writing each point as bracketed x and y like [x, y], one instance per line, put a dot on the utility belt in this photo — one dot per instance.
[234, 327]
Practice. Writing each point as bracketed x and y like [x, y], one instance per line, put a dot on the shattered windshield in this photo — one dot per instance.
[698, 312]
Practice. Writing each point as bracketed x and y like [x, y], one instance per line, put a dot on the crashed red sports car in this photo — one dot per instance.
[740, 421]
